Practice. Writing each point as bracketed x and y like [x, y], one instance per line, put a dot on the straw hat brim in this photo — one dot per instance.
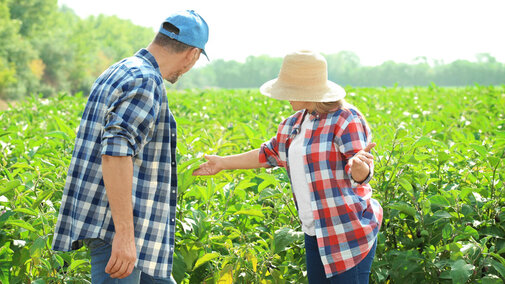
[327, 93]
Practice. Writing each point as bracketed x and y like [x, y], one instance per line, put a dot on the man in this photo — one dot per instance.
[120, 193]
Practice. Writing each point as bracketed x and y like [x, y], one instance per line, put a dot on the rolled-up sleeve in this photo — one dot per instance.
[130, 117]
[354, 137]
[269, 153]
[273, 152]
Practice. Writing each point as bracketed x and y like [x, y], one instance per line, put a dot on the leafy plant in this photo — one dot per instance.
[438, 175]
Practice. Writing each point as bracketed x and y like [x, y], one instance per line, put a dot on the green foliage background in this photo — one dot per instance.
[439, 176]
[45, 49]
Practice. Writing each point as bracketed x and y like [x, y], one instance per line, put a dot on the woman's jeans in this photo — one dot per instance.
[315, 269]
[100, 252]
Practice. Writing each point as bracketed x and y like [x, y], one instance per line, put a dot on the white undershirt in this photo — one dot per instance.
[299, 181]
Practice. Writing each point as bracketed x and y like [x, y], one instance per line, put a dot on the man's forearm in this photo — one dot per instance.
[118, 176]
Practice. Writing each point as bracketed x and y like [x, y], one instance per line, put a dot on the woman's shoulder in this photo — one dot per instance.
[348, 111]
[292, 119]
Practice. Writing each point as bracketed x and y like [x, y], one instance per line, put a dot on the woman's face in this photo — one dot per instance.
[296, 105]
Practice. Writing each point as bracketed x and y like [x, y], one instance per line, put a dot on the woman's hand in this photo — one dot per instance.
[213, 166]
[360, 163]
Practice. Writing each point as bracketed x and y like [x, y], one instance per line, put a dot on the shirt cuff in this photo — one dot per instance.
[367, 180]
[265, 158]
[116, 146]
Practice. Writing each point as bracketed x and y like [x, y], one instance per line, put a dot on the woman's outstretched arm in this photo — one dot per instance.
[215, 164]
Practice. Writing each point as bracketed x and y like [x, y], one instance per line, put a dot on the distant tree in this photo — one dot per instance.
[343, 67]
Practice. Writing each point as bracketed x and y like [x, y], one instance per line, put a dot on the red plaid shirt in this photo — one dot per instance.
[347, 219]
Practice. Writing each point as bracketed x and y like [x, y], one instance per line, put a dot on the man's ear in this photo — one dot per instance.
[192, 54]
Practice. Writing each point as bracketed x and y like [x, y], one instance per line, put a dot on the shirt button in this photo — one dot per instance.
[173, 134]
[173, 163]
[173, 191]
[173, 220]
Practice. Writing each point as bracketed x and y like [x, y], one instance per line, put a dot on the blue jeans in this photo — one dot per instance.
[100, 253]
[315, 269]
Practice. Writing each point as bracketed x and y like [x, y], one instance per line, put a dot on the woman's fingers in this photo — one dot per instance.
[369, 147]
[365, 159]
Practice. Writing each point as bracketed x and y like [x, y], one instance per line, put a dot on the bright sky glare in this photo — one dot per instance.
[376, 31]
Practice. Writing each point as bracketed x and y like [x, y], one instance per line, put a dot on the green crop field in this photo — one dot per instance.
[439, 175]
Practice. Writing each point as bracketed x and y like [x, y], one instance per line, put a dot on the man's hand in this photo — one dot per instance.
[118, 176]
[211, 167]
[360, 163]
[123, 256]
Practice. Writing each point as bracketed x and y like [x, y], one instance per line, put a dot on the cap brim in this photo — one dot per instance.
[205, 53]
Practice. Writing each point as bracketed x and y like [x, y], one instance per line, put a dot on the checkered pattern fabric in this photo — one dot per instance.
[126, 114]
[347, 219]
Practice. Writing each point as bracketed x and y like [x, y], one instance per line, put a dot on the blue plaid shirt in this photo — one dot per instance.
[126, 114]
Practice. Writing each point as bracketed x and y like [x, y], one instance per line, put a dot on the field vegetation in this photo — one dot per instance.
[439, 176]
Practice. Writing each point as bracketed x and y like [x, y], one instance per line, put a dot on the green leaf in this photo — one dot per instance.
[9, 186]
[461, 271]
[5, 216]
[179, 268]
[77, 263]
[447, 231]
[401, 132]
[471, 232]
[500, 268]
[481, 150]
[27, 211]
[493, 161]
[41, 197]
[205, 258]
[58, 134]
[269, 192]
[250, 212]
[443, 157]
[37, 247]
[189, 253]
[491, 279]
[20, 223]
[404, 208]
[405, 184]
[422, 141]
[285, 237]
[440, 201]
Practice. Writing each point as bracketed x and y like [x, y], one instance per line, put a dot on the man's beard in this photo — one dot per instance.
[174, 77]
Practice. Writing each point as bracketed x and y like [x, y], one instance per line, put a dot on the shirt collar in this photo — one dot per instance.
[147, 56]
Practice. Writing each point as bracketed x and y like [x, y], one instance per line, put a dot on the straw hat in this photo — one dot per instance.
[303, 77]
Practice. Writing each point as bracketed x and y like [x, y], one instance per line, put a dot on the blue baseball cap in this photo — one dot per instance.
[193, 30]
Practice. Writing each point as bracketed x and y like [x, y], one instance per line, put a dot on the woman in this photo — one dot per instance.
[324, 148]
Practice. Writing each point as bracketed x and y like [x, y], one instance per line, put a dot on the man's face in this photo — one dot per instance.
[172, 78]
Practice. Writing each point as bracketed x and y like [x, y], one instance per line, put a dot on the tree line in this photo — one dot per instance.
[344, 68]
[48, 49]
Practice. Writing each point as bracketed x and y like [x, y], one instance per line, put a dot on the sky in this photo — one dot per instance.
[377, 31]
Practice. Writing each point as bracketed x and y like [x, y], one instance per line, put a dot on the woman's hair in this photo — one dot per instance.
[326, 107]
[168, 42]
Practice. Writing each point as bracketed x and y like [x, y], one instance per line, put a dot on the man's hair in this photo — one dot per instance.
[168, 42]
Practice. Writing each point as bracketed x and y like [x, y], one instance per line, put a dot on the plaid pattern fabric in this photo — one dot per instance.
[126, 114]
[346, 218]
